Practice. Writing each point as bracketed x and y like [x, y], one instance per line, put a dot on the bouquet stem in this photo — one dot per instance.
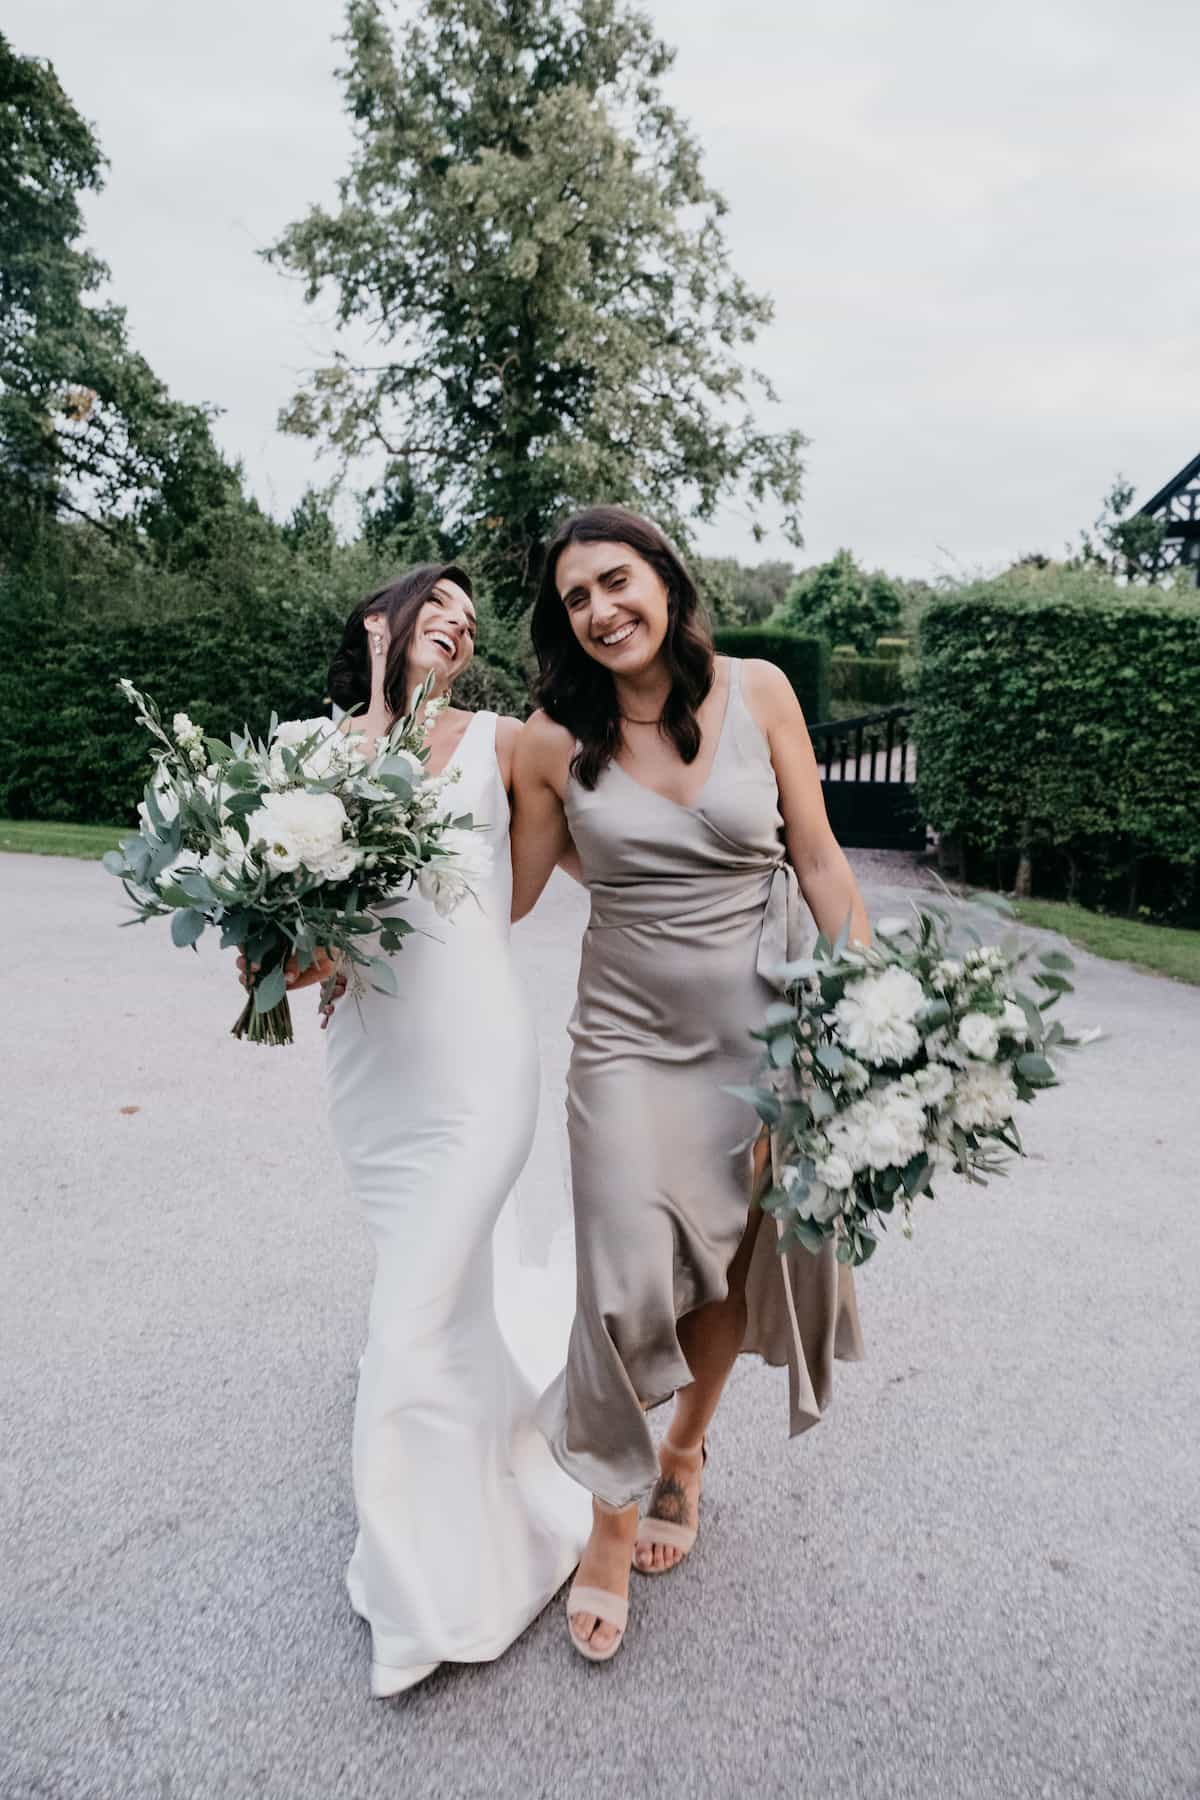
[271, 1027]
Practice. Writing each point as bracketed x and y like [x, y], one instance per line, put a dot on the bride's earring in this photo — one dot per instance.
[377, 642]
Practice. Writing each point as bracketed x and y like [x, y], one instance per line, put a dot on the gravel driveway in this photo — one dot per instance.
[979, 1577]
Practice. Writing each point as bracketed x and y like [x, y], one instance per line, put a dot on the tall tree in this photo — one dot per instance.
[86, 428]
[845, 603]
[1123, 543]
[527, 240]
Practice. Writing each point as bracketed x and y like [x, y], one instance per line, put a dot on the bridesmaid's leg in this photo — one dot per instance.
[605, 1563]
[711, 1339]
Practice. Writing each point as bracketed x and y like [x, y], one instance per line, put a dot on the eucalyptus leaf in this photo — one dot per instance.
[269, 989]
[765, 1104]
[186, 927]
[383, 976]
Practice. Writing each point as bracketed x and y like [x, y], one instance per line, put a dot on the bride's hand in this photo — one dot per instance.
[295, 977]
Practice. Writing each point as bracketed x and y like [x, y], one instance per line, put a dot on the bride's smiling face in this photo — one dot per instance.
[443, 636]
[617, 604]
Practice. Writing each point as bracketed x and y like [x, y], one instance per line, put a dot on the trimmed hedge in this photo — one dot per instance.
[804, 660]
[70, 748]
[870, 680]
[1057, 727]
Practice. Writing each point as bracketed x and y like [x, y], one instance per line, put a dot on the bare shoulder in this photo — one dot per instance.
[508, 730]
[544, 750]
[769, 694]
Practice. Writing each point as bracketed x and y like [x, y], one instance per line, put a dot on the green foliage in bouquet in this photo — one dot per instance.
[291, 845]
[884, 1067]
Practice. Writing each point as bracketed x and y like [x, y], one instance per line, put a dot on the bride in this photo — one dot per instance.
[466, 1526]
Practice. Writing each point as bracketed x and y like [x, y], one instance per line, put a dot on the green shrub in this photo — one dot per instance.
[1056, 726]
[804, 660]
[870, 681]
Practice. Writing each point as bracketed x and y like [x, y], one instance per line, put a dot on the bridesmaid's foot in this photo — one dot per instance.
[604, 1564]
[675, 1500]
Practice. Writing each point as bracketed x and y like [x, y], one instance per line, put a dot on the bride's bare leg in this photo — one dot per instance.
[605, 1564]
[710, 1338]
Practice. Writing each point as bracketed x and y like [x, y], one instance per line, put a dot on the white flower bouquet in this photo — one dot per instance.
[291, 845]
[886, 1066]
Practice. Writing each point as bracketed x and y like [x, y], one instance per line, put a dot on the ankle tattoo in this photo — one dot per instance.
[669, 1501]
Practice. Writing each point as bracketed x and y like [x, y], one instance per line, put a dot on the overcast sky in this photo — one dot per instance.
[980, 226]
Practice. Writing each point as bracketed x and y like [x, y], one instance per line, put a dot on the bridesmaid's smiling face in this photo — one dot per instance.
[617, 604]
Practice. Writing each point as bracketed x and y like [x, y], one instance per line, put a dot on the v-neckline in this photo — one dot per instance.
[690, 806]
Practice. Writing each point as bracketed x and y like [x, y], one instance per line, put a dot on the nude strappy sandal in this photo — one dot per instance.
[613, 1609]
[665, 1531]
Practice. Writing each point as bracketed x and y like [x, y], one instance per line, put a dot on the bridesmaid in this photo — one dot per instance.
[688, 785]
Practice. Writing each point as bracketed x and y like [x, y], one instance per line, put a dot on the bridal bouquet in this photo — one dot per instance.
[290, 844]
[885, 1067]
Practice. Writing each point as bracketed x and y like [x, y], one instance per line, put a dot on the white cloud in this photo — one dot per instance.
[978, 228]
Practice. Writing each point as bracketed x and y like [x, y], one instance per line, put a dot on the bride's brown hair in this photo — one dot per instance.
[578, 692]
[400, 602]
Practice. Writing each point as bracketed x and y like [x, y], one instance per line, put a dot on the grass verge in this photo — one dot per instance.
[1164, 948]
[37, 837]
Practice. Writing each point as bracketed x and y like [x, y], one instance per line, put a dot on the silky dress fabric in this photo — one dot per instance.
[466, 1527]
[693, 910]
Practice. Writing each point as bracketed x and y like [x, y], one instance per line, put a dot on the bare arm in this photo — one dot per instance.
[540, 837]
[825, 877]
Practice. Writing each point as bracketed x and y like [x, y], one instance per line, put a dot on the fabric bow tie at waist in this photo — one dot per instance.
[786, 931]
[785, 934]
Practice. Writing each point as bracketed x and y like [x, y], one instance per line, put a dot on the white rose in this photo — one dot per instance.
[984, 1095]
[940, 1047]
[445, 884]
[934, 1084]
[947, 973]
[298, 828]
[835, 1171]
[875, 1016]
[979, 1035]
[330, 753]
[1013, 1023]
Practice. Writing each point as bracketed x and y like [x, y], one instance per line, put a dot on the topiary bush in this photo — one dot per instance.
[804, 660]
[1056, 734]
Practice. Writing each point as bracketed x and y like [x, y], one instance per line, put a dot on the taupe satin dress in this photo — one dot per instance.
[693, 910]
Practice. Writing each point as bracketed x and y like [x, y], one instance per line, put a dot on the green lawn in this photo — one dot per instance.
[35, 838]
[1163, 948]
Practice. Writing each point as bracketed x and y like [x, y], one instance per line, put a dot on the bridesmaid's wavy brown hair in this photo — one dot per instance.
[578, 692]
[400, 602]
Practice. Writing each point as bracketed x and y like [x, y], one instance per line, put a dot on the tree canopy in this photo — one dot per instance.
[526, 240]
[844, 603]
[86, 428]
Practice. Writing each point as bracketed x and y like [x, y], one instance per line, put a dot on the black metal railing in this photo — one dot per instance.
[876, 747]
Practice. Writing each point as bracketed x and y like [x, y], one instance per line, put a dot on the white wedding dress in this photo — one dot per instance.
[466, 1525]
